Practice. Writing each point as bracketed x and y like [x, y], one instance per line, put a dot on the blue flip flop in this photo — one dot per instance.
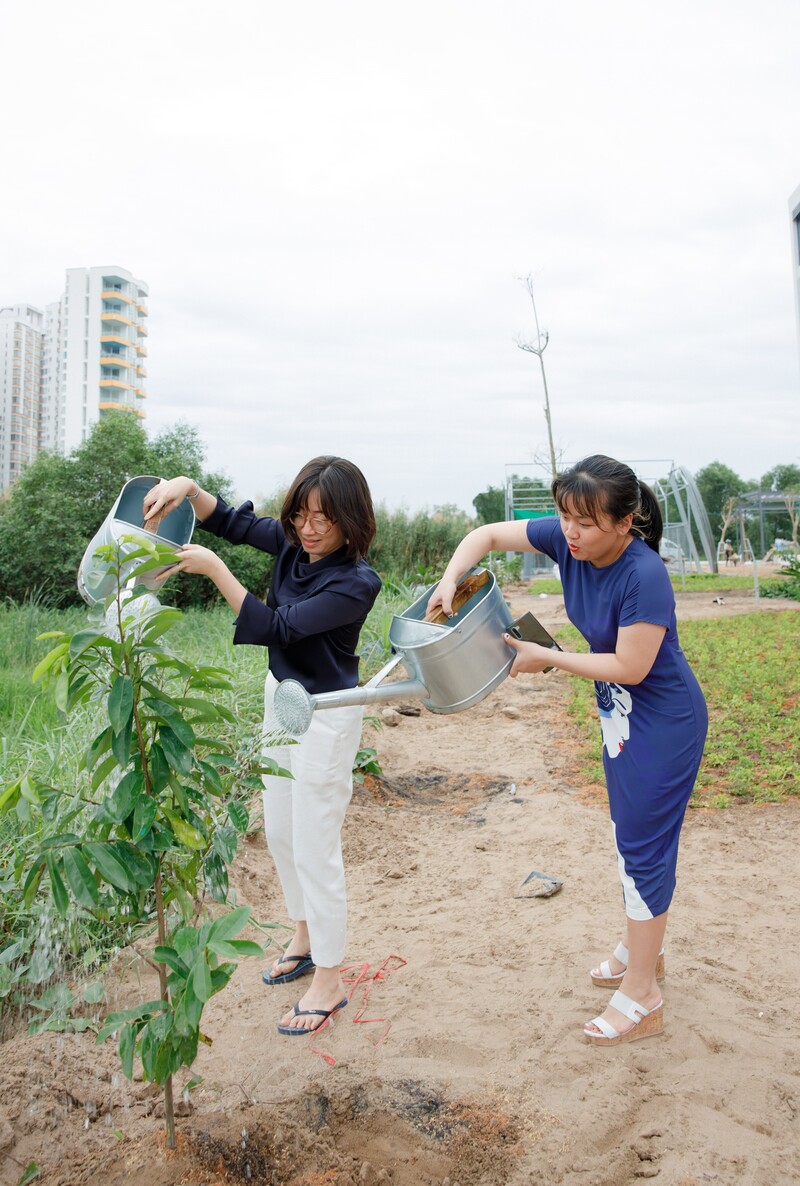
[290, 1031]
[304, 964]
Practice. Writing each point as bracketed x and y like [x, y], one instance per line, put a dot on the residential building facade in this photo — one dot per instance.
[61, 369]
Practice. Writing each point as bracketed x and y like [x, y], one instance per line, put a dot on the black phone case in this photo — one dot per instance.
[527, 628]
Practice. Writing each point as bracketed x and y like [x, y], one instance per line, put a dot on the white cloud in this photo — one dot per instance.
[332, 205]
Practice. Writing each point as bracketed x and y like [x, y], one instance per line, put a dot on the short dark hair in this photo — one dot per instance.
[344, 497]
[600, 485]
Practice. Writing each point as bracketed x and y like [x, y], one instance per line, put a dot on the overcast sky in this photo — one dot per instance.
[333, 203]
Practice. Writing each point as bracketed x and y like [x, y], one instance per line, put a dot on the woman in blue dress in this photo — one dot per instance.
[652, 712]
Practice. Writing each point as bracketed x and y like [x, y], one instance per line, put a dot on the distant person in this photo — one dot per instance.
[321, 592]
[652, 712]
[728, 551]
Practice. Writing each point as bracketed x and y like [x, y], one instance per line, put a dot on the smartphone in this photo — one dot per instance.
[530, 629]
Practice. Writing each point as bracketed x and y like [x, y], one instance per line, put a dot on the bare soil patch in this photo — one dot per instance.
[460, 1058]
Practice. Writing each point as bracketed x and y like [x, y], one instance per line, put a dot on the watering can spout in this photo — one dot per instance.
[294, 706]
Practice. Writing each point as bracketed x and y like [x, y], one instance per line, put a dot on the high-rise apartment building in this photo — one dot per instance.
[21, 348]
[61, 369]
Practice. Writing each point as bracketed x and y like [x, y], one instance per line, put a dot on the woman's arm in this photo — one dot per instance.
[492, 537]
[203, 562]
[637, 647]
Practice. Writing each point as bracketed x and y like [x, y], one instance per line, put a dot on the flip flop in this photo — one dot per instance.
[304, 964]
[290, 1031]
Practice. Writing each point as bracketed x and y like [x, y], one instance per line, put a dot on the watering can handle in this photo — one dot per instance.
[466, 588]
[384, 671]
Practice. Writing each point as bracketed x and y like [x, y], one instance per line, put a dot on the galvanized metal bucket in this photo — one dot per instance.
[125, 518]
[452, 666]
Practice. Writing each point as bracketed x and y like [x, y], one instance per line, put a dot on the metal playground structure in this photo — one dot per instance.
[527, 496]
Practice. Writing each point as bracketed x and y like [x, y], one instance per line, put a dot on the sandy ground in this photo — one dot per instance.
[460, 1059]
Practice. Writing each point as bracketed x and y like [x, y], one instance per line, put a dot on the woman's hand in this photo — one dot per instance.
[443, 596]
[167, 495]
[530, 657]
[199, 561]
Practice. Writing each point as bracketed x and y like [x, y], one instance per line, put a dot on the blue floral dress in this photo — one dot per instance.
[653, 732]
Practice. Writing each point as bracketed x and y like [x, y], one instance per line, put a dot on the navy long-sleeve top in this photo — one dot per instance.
[313, 613]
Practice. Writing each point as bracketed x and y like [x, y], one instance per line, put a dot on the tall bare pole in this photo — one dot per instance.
[538, 348]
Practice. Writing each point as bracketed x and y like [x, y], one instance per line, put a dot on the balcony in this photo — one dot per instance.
[141, 350]
[115, 319]
[114, 360]
[141, 371]
[116, 338]
[111, 294]
[142, 329]
[116, 383]
[142, 307]
[141, 394]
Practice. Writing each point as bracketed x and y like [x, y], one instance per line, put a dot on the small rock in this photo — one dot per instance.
[409, 710]
[367, 1174]
[396, 873]
[512, 713]
[390, 716]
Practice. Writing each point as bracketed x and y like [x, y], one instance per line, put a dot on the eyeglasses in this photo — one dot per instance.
[318, 523]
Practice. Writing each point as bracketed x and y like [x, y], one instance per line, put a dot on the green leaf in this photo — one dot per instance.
[94, 993]
[137, 1013]
[170, 715]
[61, 693]
[211, 777]
[29, 791]
[121, 743]
[160, 623]
[239, 815]
[185, 833]
[229, 925]
[83, 639]
[235, 948]
[143, 817]
[141, 865]
[117, 806]
[110, 865]
[47, 662]
[169, 956]
[159, 768]
[127, 1049]
[80, 878]
[120, 703]
[30, 1174]
[200, 979]
[31, 886]
[104, 769]
[177, 755]
[100, 745]
[10, 795]
[57, 887]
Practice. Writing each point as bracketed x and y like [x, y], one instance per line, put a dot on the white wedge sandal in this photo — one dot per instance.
[603, 977]
[646, 1022]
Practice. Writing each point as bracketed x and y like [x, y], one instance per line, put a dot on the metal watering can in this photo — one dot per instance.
[125, 518]
[452, 665]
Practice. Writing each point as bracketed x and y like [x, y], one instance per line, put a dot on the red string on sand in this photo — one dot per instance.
[392, 963]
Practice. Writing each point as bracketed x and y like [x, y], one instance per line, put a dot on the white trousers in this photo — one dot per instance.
[303, 819]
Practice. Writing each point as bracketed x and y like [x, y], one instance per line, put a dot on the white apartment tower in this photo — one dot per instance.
[21, 348]
[102, 339]
[61, 369]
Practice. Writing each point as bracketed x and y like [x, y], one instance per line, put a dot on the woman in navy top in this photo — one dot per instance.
[321, 592]
[652, 712]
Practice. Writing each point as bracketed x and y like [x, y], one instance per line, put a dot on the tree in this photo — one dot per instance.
[490, 505]
[54, 509]
[717, 484]
[781, 477]
[149, 824]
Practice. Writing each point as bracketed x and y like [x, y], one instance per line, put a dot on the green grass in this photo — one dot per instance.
[749, 669]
